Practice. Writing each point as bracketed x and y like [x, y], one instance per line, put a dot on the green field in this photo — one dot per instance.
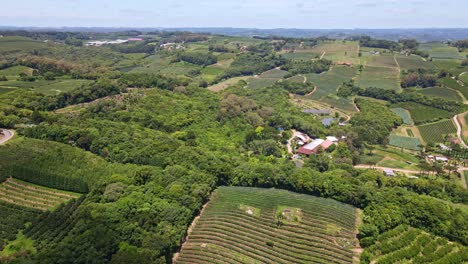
[382, 61]
[250, 225]
[441, 92]
[265, 79]
[451, 83]
[404, 142]
[338, 51]
[440, 51]
[328, 82]
[16, 44]
[15, 71]
[380, 77]
[414, 62]
[423, 114]
[464, 78]
[404, 114]
[435, 132]
[405, 244]
[47, 87]
[33, 196]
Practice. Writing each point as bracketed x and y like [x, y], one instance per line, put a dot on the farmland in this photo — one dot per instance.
[17, 44]
[328, 82]
[225, 84]
[47, 87]
[387, 61]
[436, 132]
[404, 114]
[441, 51]
[405, 244]
[440, 92]
[451, 83]
[249, 225]
[343, 51]
[404, 142]
[265, 79]
[413, 62]
[380, 77]
[423, 114]
[33, 196]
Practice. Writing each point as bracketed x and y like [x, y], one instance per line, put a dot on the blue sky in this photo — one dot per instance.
[240, 13]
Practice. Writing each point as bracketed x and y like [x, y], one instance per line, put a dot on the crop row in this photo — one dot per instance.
[436, 132]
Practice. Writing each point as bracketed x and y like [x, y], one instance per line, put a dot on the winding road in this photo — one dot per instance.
[459, 129]
[7, 135]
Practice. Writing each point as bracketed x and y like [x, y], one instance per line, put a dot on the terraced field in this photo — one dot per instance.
[413, 62]
[422, 114]
[404, 114]
[404, 142]
[251, 225]
[441, 51]
[436, 132]
[328, 82]
[33, 196]
[405, 244]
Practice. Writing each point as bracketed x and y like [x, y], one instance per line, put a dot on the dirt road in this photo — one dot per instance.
[385, 168]
[459, 129]
[7, 135]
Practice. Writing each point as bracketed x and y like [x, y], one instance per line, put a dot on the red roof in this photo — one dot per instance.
[325, 145]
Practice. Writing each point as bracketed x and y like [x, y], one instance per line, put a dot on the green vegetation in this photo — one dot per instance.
[404, 114]
[414, 62]
[381, 77]
[440, 51]
[278, 231]
[328, 82]
[440, 92]
[436, 132]
[405, 243]
[423, 114]
[404, 142]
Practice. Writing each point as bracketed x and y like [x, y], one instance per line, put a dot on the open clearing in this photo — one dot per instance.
[33, 196]
[251, 225]
[225, 84]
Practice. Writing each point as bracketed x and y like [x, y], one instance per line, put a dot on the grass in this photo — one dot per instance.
[404, 114]
[309, 229]
[464, 78]
[20, 245]
[404, 142]
[14, 71]
[435, 132]
[423, 114]
[441, 92]
[32, 195]
[405, 244]
[380, 77]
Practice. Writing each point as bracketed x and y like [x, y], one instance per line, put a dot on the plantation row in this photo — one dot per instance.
[32, 196]
[12, 219]
[404, 244]
[50, 180]
[404, 142]
[52, 227]
[225, 233]
[436, 132]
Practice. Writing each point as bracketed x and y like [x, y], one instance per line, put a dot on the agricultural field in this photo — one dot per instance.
[464, 78]
[225, 84]
[451, 83]
[405, 244]
[301, 55]
[404, 114]
[47, 87]
[392, 157]
[441, 92]
[16, 44]
[382, 61]
[338, 51]
[413, 62]
[411, 143]
[441, 51]
[436, 132]
[380, 77]
[423, 114]
[15, 71]
[33, 196]
[251, 225]
[267, 78]
[328, 82]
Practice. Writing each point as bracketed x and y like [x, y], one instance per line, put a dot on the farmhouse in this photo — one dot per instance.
[314, 146]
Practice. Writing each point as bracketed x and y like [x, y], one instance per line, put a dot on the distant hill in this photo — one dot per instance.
[422, 35]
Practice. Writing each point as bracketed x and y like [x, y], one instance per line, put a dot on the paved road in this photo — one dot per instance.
[7, 135]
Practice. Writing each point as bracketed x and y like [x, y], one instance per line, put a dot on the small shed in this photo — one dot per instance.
[389, 172]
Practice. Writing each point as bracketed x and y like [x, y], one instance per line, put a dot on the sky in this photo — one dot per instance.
[308, 14]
